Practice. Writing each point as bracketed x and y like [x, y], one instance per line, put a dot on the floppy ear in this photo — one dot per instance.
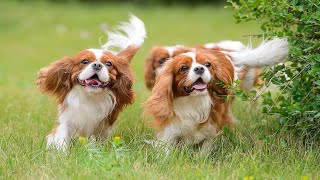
[223, 76]
[123, 85]
[149, 70]
[159, 105]
[55, 79]
[128, 53]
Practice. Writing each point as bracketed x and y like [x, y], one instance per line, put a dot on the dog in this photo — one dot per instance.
[93, 86]
[189, 101]
[156, 59]
[160, 54]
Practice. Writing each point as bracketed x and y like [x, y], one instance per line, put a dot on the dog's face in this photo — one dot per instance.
[190, 74]
[95, 70]
[158, 56]
[196, 74]
[92, 70]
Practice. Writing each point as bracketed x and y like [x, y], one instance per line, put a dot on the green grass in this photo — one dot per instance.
[30, 40]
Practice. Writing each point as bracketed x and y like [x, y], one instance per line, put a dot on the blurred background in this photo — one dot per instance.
[35, 33]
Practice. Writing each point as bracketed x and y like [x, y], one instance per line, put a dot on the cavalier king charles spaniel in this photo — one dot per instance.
[160, 54]
[188, 102]
[93, 86]
[156, 58]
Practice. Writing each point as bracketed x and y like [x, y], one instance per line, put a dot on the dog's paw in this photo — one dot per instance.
[59, 144]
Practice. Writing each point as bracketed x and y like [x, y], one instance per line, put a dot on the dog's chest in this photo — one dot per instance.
[83, 112]
[190, 112]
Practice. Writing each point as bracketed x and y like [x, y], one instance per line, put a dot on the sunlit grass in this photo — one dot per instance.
[35, 34]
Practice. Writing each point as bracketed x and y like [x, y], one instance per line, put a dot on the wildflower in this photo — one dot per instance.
[117, 139]
[304, 177]
[248, 178]
[82, 139]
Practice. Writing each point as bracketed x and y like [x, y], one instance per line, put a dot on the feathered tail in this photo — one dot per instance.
[268, 53]
[127, 34]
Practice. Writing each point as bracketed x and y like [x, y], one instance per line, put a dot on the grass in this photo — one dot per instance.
[35, 34]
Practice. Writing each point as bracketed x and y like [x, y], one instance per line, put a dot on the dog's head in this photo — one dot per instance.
[190, 74]
[156, 59]
[93, 70]
[98, 70]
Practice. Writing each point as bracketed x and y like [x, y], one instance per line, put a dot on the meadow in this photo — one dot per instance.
[34, 34]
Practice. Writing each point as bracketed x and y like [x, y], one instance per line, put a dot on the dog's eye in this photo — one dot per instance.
[161, 61]
[207, 64]
[108, 63]
[183, 68]
[85, 61]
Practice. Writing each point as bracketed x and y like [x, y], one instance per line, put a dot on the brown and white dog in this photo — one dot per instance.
[93, 86]
[156, 59]
[188, 102]
[160, 54]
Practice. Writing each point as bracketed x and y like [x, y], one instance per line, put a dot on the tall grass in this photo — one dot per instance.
[34, 34]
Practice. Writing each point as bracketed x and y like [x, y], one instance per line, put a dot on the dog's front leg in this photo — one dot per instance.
[59, 137]
[207, 147]
[166, 140]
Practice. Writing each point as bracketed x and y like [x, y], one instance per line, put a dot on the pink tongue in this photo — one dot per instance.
[93, 82]
[199, 86]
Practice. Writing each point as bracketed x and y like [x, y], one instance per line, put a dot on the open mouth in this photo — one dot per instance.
[93, 82]
[198, 85]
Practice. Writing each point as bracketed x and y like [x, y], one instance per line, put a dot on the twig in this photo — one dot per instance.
[266, 86]
[304, 68]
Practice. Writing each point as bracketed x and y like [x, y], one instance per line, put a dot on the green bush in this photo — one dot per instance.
[298, 102]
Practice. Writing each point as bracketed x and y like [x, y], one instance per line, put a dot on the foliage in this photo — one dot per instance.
[298, 102]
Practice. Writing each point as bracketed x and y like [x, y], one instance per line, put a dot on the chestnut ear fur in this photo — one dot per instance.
[149, 70]
[160, 104]
[55, 79]
[128, 53]
[223, 77]
[124, 82]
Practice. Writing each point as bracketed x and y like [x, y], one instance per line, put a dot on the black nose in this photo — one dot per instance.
[97, 66]
[199, 70]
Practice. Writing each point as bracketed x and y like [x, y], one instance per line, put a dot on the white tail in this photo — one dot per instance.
[268, 53]
[125, 35]
[229, 45]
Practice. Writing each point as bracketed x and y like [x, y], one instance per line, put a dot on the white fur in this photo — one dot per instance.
[98, 53]
[80, 113]
[190, 111]
[60, 139]
[192, 76]
[128, 33]
[230, 45]
[190, 54]
[88, 71]
[268, 53]
[249, 79]
[171, 49]
[103, 73]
